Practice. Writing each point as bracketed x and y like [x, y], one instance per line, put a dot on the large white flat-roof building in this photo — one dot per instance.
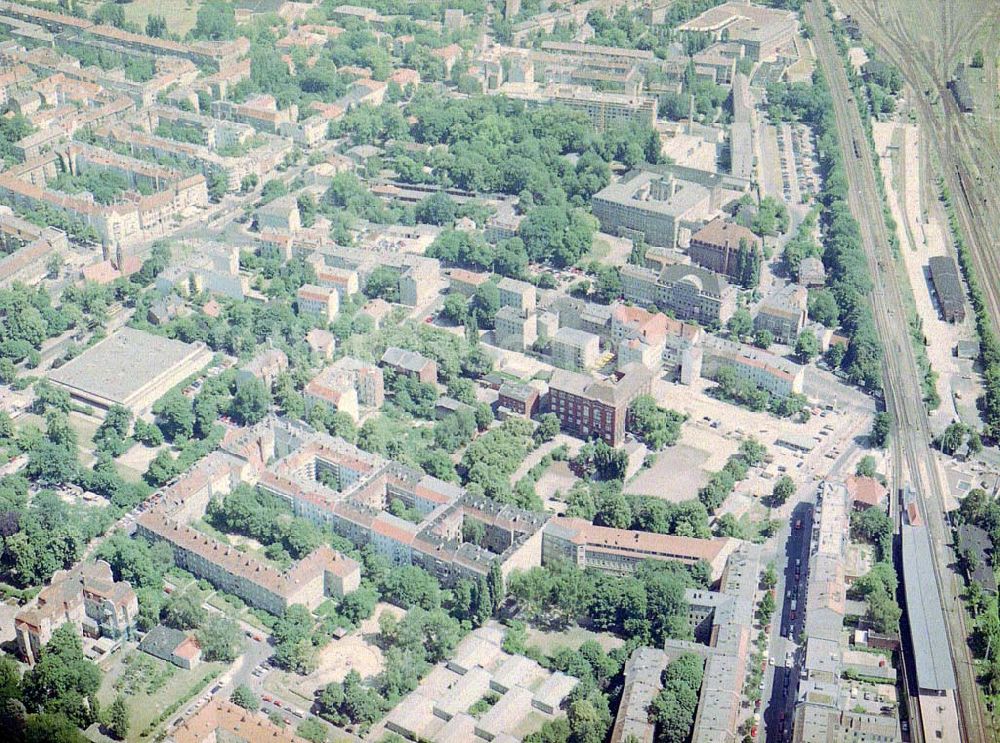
[131, 368]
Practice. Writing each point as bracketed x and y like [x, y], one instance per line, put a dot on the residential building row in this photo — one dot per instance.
[131, 219]
[652, 338]
[419, 277]
[827, 707]
[207, 267]
[623, 551]
[722, 624]
[345, 386]
[322, 573]
[763, 370]
[81, 30]
[231, 163]
[727, 617]
[26, 248]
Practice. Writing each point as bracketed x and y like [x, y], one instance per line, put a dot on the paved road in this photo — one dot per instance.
[791, 556]
[782, 679]
[254, 653]
[913, 459]
[293, 713]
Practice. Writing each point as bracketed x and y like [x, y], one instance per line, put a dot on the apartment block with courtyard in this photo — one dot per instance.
[155, 203]
[344, 489]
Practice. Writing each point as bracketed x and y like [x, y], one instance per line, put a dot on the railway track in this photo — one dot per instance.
[968, 168]
[914, 463]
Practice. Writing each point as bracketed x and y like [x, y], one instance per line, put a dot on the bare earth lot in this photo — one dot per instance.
[675, 476]
[573, 637]
[356, 652]
[713, 432]
[557, 479]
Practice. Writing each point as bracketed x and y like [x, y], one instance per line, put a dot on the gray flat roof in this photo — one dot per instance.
[574, 337]
[122, 365]
[923, 610]
[686, 195]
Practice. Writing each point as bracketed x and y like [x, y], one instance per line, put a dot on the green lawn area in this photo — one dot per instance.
[180, 580]
[30, 420]
[241, 613]
[239, 542]
[82, 425]
[253, 621]
[225, 604]
[179, 14]
[143, 673]
[206, 528]
[184, 582]
[85, 428]
[285, 685]
[599, 250]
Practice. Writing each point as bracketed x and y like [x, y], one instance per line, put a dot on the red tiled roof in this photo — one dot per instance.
[721, 233]
[628, 541]
[866, 490]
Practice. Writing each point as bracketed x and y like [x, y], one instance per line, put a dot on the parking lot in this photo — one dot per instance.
[715, 428]
[800, 177]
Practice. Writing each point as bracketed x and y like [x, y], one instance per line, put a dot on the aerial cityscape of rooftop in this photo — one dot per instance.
[481, 371]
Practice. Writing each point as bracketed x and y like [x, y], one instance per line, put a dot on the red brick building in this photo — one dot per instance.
[716, 245]
[521, 399]
[591, 408]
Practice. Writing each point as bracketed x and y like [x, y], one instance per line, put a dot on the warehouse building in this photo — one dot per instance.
[947, 288]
